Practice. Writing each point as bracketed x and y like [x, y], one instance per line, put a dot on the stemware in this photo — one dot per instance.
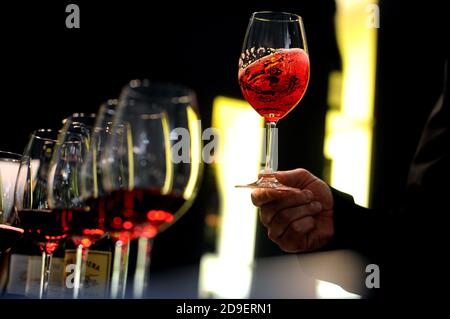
[65, 191]
[273, 76]
[31, 201]
[183, 160]
[94, 194]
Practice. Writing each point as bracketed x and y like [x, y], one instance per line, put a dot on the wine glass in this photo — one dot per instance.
[180, 104]
[9, 167]
[93, 191]
[137, 174]
[65, 191]
[273, 75]
[31, 200]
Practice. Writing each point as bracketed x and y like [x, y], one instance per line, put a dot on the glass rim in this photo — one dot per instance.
[44, 130]
[10, 156]
[78, 115]
[166, 90]
[290, 17]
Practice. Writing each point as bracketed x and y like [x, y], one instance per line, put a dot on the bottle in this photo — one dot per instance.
[98, 269]
[17, 265]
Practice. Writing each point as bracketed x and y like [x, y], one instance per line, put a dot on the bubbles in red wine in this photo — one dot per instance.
[274, 84]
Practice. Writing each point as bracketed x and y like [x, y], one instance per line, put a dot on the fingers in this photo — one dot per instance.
[261, 197]
[298, 178]
[292, 217]
[297, 198]
[297, 236]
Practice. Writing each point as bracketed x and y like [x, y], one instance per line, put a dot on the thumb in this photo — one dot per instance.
[298, 178]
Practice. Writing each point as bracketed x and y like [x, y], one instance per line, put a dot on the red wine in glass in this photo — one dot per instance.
[275, 83]
[44, 226]
[139, 212]
[84, 225]
[273, 76]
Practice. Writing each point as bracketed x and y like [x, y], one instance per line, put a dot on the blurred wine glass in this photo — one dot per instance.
[137, 174]
[9, 167]
[65, 191]
[31, 200]
[182, 170]
[9, 235]
[93, 191]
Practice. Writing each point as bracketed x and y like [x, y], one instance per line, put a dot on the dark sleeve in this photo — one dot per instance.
[356, 227]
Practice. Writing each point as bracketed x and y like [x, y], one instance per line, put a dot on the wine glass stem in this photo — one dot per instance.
[142, 265]
[120, 269]
[80, 270]
[45, 274]
[270, 133]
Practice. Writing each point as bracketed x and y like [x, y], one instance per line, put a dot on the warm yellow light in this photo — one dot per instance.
[195, 151]
[168, 182]
[349, 131]
[130, 154]
[239, 127]
[222, 279]
[328, 290]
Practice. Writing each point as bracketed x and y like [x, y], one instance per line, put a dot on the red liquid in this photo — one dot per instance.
[274, 84]
[139, 212]
[85, 226]
[8, 236]
[45, 227]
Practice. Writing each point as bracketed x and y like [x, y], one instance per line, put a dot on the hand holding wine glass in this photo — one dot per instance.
[273, 75]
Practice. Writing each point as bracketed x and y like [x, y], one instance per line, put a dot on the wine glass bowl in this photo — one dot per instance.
[35, 216]
[31, 197]
[9, 166]
[137, 174]
[66, 191]
[273, 75]
[275, 83]
[151, 165]
[180, 105]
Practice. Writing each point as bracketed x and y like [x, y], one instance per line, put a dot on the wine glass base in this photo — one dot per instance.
[268, 181]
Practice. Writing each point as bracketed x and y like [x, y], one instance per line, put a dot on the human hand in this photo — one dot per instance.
[299, 220]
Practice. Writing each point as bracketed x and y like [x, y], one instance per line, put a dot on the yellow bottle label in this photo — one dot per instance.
[98, 271]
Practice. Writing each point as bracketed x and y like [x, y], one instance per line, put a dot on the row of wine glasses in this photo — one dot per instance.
[115, 173]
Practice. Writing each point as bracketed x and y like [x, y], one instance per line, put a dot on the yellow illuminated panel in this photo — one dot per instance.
[348, 140]
[229, 273]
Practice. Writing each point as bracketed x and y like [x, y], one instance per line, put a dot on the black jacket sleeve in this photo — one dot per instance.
[357, 227]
